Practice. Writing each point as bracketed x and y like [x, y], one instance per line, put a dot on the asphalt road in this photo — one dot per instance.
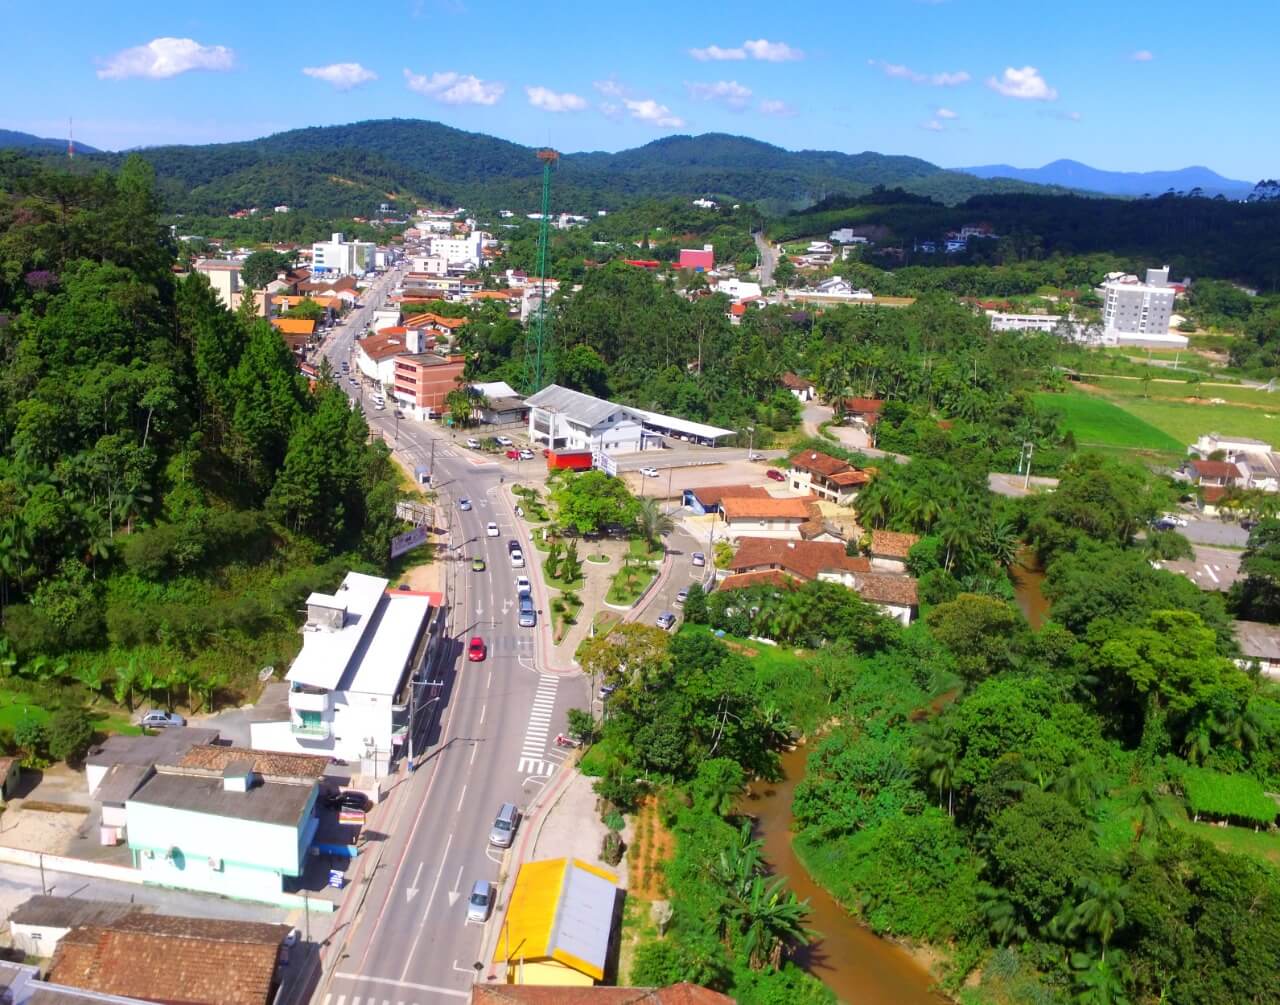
[488, 740]
[768, 257]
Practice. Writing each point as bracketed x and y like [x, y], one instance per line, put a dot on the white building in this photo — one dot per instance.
[842, 236]
[705, 204]
[459, 251]
[737, 289]
[348, 687]
[340, 257]
[1211, 443]
[1138, 313]
[561, 419]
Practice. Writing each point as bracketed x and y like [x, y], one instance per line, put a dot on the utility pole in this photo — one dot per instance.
[1031, 449]
[537, 342]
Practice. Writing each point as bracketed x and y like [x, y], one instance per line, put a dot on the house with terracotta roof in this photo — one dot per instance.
[760, 560]
[708, 498]
[164, 958]
[801, 388]
[827, 477]
[745, 516]
[558, 925]
[889, 550]
[376, 354]
[1218, 474]
[862, 411]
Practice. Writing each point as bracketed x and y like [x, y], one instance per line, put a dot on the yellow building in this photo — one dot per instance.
[558, 924]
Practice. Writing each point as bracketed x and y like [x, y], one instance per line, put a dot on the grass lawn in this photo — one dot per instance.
[1179, 390]
[1095, 421]
[1188, 422]
[1116, 821]
[640, 550]
[629, 584]
[16, 707]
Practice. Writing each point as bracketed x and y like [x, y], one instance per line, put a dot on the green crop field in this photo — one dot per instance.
[1187, 421]
[1097, 422]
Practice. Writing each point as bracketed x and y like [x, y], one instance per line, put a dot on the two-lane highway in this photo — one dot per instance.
[494, 743]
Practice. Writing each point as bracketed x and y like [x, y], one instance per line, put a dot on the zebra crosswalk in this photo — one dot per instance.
[533, 754]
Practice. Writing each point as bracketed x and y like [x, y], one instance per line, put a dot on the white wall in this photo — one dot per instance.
[781, 529]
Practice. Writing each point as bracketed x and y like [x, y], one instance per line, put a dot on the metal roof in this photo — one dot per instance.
[326, 652]
[584, 408]
[686, 426]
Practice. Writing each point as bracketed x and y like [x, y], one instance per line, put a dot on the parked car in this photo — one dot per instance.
[666, 621]
[513, 455]
[491, 529]
[776, 475]
[682, 596]
[504, 826]
[473, 443]
[347, 800]
[480, 903]
[649, 472]
[755, 457]
[477, 565]
[523, 586]
[505, 441]
[699, 560]
[476, 651]
[513, 545]
[526, 454]
[1248, 523]
[1164, 523]
[156, 719]
[606, 690]
[517, 558]
[464, 505]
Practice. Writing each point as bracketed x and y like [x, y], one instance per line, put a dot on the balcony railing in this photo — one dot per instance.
[314, 730]
[310, 700]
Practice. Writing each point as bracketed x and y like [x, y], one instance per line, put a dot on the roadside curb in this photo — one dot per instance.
[539, 811]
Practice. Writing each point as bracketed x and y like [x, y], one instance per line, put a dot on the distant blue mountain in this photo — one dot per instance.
[10, 138]
[1073, 174]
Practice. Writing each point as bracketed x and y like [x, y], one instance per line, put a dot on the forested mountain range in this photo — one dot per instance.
[343, 169]
[27, 141]
[1073, 174]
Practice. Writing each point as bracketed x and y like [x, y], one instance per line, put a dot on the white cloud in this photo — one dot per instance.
[757, 48]
[770, 106]
[648, 110]
[455, 88]
[945, 113]
[343, 76]
[166, 57]
[933, 125]
[552, 101]
[771, 52]
[1142, 56]
[713, 53]
[897, 70]
[609, 88]
[729, 92]
[1025, 84]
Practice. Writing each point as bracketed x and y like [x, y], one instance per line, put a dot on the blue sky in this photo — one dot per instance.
[954, 81]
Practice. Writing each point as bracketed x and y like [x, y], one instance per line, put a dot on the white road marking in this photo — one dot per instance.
[412, 890]
[483, 708]
[461, 796]
[406, 984]
[489, 681]
[456, 892]
[474, 748]
[529, 766]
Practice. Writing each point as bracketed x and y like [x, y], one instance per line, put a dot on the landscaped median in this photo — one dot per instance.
[637, 574]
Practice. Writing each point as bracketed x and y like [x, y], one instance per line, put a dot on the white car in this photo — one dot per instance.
[491, 529]
[473, 443]
[504, 441]
[523, 586]
[517, 558]
[649, 472]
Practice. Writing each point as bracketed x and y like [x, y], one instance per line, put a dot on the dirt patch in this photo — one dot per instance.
[738, 647]
[35, 806]
[652, 845]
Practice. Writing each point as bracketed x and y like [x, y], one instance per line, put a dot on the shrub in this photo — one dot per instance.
[611, 848]
[614, 821]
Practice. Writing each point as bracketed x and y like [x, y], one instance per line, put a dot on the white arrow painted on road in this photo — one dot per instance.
[456, 892]
[413, 890]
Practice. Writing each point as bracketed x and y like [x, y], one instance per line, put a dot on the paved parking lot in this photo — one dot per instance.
[1212, 568]
[1202, 530]
[671, 483]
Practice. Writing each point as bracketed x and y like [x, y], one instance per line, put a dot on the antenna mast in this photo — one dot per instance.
[71, 141]
[537, 344]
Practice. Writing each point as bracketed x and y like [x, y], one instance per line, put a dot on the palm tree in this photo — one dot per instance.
[1078, 784]
[1150, 819]
[1002, 542]
[771, 920]
[1101, 913]
[92, 677]
[1101, 984]
[1001, 915]
[959, 532]
[651, 521]
[122, 685]
[938, 753]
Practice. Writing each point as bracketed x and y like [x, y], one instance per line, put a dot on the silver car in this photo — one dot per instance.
[160, 720]
[480, 903]
[503, 831]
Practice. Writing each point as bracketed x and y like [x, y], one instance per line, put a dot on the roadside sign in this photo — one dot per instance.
[407, 541]
[601, 460]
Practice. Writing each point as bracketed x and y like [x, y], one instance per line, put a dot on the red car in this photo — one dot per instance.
[476, 652]
[776, 475]
[513, 455]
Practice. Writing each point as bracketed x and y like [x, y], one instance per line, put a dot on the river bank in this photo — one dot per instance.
[850, 959]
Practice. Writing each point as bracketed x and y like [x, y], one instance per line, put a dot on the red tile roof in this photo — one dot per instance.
[293, 326]
[185, 961]
[794, 383]
[746, 508]
[863, 406]
[818, 463]
[887, 588]
[383, 345]
[742, 580]
[803, 558]
[891, 543]
[714, 495]
[1215, 469]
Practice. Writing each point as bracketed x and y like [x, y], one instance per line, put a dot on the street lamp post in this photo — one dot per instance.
[413, 709]
[751, 441]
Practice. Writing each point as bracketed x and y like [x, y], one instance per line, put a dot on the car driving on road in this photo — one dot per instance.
[476, 651]
[523, 586]
[699, 560]
[491, 529]
[528, 616]
[464, 505]
[477, 565]
[649, 472]
[666, 621]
